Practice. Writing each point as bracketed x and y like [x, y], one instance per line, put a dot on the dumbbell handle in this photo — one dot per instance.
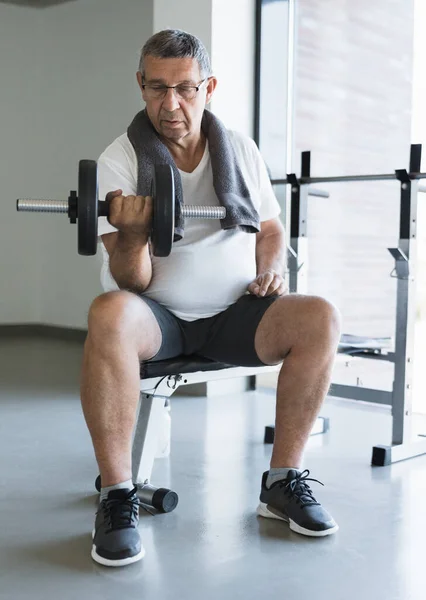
[61, 206]
[51, 206]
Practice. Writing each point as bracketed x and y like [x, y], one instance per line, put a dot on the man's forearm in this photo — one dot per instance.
[271, 253]
[130, 263]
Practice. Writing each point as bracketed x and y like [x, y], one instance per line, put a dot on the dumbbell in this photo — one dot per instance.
[84, 208]
[161, 499]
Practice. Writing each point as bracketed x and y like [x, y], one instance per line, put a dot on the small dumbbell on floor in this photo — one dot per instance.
[85, 207]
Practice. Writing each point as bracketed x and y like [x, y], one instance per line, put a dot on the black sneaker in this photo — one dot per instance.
[116, 539]
[291, 500]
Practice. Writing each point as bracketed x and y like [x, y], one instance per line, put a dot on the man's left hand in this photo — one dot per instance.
[269, 283]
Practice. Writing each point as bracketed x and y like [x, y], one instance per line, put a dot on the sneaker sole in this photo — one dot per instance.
[122, 562]
[263, 511]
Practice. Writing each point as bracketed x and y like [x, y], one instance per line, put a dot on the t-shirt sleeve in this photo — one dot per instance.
[117, 169]
[269, 205]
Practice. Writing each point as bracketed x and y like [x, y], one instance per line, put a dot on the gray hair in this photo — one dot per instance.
[175, 43]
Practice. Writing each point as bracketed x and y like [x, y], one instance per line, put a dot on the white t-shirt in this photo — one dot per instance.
[210, 268]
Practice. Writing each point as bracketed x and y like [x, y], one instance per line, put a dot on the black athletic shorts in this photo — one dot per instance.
[227, 337]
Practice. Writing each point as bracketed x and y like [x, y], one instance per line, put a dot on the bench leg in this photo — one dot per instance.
[145, 439]
[145, 448]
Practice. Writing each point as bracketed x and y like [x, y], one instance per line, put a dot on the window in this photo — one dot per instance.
[274, 72]
[274, 90]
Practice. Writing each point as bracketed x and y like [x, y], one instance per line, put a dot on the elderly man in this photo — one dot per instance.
[220, 293]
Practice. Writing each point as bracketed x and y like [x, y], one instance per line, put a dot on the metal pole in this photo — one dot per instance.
[298, 253]
[345, 178]
[405, 265]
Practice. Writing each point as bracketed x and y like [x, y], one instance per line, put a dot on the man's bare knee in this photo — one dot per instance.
[296, 321]
[297, 315]
[322, 317]
[122, 316]
[113, 311]
[314, 320]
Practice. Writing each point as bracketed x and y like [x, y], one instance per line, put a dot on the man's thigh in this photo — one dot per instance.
[171, 332]
[231, 337]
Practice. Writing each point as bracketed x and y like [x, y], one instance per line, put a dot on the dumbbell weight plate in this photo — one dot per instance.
[87, 214]
[163, 214]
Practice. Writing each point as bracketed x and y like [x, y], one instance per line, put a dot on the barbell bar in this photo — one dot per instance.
[347, 178]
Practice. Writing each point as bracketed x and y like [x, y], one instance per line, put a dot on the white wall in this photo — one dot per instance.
[233, 58]
[91, 96]
[68, 89]
[227, 29]
[194, 16]
[20, 69]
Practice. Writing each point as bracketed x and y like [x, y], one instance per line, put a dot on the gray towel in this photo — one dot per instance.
[228, 180]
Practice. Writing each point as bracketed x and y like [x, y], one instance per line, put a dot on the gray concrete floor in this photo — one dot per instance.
[213, 545]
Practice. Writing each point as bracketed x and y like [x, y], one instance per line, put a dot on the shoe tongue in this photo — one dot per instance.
[118, 494]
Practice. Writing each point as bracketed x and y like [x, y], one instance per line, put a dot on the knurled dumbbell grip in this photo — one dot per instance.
[61, 206]
[51, 206]
[188, 212]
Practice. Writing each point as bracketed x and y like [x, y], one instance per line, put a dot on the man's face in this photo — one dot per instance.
[176, 113]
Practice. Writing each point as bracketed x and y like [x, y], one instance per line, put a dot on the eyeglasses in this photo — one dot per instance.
[157, 91]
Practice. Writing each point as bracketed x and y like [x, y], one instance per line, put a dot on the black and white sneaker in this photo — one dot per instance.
[116, 539]
[291, 500]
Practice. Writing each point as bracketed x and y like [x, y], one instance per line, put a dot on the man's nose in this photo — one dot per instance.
[170, 102]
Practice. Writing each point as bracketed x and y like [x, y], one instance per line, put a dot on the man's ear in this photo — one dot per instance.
[140, 80]
[211, 86]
